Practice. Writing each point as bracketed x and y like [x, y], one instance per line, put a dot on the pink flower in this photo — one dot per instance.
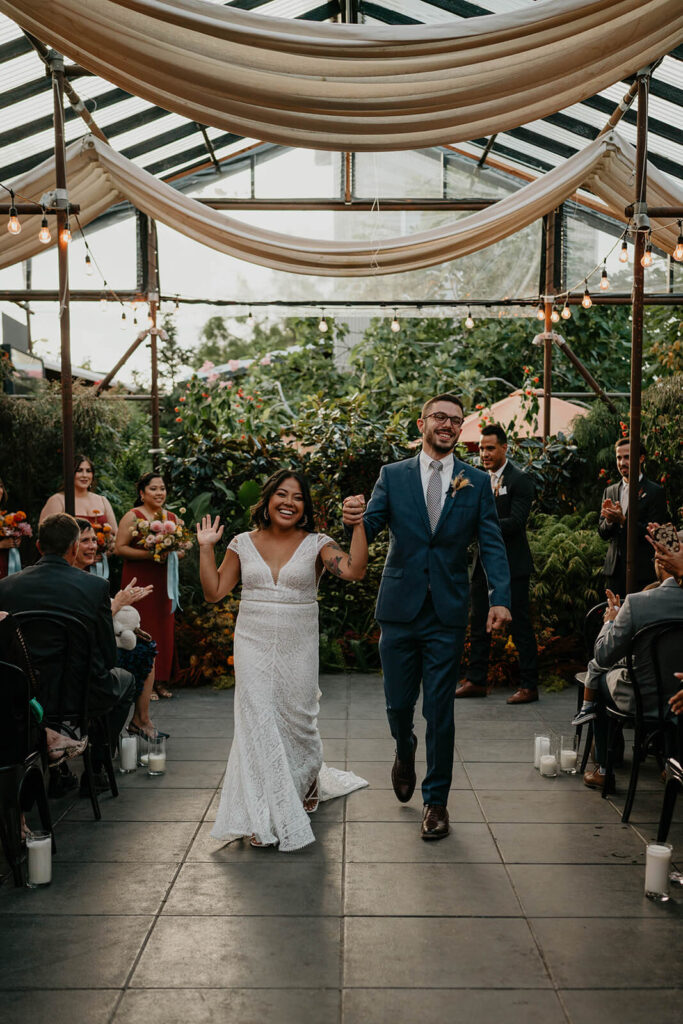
[265, 361]
[224, 384]
[207, 365]
[233, 364]
[157, 526]
[212, 378]
[168, 526]
[150, 540]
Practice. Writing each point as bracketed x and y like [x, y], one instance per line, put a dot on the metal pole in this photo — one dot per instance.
[550, 289]
[585, 373]
[57, 69]
[153, 299]
[640, 225]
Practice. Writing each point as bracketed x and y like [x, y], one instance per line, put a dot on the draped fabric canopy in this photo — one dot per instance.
[353, 87]
[99, 177]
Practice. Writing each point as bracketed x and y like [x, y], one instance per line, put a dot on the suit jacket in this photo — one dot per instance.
[651, 509]
[638, 610]
[54, 584]
[513, 504]
[419, 560]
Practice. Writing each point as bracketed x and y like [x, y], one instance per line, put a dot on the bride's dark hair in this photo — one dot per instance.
[259, 511]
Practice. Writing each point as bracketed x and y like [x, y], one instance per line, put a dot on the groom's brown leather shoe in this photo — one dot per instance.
[523, 696]
[468, 689]
[403, 776]
[435, 822]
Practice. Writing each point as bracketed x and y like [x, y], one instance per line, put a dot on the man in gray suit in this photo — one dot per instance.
[609, 678]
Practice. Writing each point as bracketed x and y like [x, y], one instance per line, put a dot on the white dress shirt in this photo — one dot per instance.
[446, 474]
[623, 493]
[495, 476]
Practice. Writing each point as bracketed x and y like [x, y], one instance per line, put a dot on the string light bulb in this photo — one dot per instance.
[250, 316]
[44, 234]
[88, 264]
[566, 312]
[469, 322]
[586, 301]
[555, 316]
[322, 323]
[623, 255]
[647, 258]
[123, 320]
[13, 224]
[540, 312]
[604, 280]
[395, 325]
[678, 251]
[65, 235]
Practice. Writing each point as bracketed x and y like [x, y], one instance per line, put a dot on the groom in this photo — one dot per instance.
[434, 506]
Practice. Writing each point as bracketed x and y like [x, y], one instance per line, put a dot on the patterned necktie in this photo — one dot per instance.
[495, 484]
[434, 494]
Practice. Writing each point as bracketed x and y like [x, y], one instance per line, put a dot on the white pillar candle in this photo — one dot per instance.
[568, 760]
[128, 750]
[541, 747]
[39, 847]
[657, 864]
[548, 765]
[156, 764]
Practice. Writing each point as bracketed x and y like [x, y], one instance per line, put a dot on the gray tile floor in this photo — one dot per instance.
[531, 912]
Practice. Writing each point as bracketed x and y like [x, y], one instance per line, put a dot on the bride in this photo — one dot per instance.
[275, 771]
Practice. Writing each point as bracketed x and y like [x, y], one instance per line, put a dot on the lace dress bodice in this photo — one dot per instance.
[296, 582]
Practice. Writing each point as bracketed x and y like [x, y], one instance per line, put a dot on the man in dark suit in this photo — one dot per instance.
[614, 514]
[53, 584]
[433, 505]
[513, 491]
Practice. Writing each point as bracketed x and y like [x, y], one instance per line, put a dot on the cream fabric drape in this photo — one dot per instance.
[98, 177]
[354, 87]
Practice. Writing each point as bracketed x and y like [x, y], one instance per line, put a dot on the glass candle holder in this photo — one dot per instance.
[156, 758]
[39, 850]
[548, 766]
[568, 756]
[657, 867]
[541, 747]
[128, 753]
[143, 750]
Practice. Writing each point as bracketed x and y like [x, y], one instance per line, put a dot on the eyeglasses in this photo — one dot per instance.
[441, 418]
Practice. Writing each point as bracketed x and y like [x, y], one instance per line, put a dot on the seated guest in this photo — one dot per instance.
[140, 660]
[607, 677]
[53, 584]
[672, 561]
[613, 522]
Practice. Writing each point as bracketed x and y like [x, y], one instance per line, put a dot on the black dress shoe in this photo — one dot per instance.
[403, 776]
[435, 822]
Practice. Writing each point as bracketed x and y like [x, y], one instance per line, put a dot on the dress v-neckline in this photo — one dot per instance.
[284, 566]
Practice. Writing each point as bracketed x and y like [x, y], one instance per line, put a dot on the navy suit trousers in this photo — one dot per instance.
[423, 651]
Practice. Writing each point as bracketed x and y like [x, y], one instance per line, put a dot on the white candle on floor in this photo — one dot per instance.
[128, 750]
[541, 747]
[548, 764]
[568, 760]
[657, 864]
[39, 847]
[156, 763]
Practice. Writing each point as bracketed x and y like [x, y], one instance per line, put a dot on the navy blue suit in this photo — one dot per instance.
[423, 602]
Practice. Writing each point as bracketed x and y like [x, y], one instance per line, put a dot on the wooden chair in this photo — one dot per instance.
[653, 732]
[22, 765]
[66, 691]
[592, 624]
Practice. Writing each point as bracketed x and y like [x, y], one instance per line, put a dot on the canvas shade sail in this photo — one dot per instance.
[98, 177]
[355, 87]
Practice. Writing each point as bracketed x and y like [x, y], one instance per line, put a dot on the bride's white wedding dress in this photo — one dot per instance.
[276, 751]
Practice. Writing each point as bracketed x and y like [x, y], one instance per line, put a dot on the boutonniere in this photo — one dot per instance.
[458, 482]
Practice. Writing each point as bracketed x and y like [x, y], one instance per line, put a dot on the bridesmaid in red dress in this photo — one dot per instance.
[88, 505]
[156, 612]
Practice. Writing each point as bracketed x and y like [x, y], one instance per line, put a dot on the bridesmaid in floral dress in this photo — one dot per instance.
[156, 612]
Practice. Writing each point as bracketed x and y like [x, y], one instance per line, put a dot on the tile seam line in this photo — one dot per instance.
[127, 981]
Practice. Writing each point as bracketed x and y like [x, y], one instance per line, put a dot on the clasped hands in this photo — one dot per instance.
[353, 509]
[613, 512]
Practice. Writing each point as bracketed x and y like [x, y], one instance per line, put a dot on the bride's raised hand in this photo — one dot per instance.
[209, 533]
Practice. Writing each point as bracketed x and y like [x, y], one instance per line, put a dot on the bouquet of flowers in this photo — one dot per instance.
[14, 525]
[105, 539]
[161, 536]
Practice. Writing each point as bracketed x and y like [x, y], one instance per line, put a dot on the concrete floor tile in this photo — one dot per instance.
[93, 889]
[491, 751]
[139, 842]
[368, 728]
[378, 748]
[328, 846]
[178, 775]
[140, 805]
[334, 749]
[400, 842]
[382, 805]
[436, 1006]
[492, 732]
[230, 1006]
[632, 1006]
[198, 748]
[503, 776]
[70, 952]
[647, 947]
[240, 952]
[429, 890]
[558, 804]
[183, 726]
[378, 774]
[424, 952]
[57, 1007]
[332, 728]
[272, 888]
[568, 844]
[586, 890]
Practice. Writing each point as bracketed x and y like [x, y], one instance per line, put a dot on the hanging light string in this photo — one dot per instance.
[93, 262]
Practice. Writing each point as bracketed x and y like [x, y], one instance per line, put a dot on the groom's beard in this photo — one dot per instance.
[441, 444]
